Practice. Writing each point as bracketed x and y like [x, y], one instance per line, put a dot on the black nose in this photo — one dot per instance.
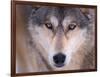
[59, 59]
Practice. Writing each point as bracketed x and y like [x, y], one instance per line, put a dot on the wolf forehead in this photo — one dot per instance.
[40, 16]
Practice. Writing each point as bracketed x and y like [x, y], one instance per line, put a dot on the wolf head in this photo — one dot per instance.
[59, 33]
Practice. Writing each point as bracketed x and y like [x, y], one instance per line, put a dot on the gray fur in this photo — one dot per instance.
[41, 14]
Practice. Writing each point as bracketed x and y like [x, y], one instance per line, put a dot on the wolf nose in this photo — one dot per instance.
[59, 59]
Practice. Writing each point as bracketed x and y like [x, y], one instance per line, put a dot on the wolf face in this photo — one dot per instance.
[61, 35]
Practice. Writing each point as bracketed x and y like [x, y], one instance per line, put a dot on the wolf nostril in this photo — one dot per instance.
[59, 59]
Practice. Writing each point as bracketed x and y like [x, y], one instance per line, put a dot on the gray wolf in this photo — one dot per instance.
[60, 38]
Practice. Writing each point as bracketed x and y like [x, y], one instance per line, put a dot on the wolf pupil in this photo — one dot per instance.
[72, 26]
[49, 25]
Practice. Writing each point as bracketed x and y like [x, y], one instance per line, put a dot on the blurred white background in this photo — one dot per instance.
[5, 40]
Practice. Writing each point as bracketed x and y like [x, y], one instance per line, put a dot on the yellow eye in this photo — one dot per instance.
[49, 26]
[72, 26]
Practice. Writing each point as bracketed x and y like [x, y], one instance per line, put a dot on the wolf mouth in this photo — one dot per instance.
[59, 65]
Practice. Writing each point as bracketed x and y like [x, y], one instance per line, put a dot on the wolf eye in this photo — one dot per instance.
[49, 26]
[72, 26]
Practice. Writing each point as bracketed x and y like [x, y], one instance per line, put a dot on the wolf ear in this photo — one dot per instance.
[89, 13]
[35, 8]
[28, 10]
